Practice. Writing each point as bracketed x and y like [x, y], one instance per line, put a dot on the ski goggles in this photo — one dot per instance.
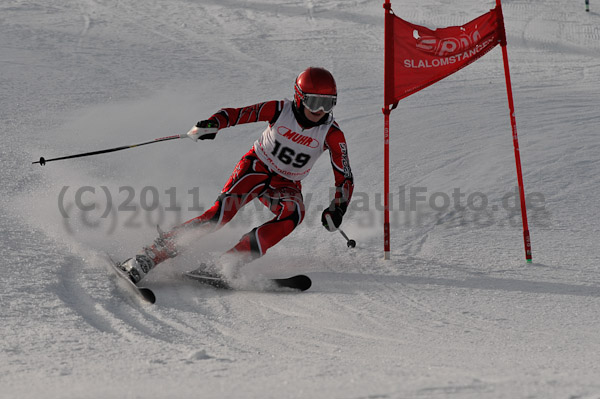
[319, 102]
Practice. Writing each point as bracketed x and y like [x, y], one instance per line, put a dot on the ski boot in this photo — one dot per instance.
[136, 268]
[225, 268]
[206, 270]
[162, 249]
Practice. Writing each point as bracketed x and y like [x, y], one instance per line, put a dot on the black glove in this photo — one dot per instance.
[336, 212]
[207, 124]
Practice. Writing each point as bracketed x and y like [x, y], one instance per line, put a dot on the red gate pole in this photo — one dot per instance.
[513, 123]
[388, 85]
[386, 184]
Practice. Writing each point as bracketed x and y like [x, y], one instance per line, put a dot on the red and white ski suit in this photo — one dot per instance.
[271, 171]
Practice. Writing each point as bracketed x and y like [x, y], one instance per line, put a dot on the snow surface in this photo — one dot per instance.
[455, 313]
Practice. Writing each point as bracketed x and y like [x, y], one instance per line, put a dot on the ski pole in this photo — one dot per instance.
[349, 242]
[43, 161]
[201, 132]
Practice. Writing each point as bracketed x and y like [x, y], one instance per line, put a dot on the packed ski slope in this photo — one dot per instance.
[455, 313]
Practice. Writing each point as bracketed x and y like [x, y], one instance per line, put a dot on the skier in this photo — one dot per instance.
[298, 132]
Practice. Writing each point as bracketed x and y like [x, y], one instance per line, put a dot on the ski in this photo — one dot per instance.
[299, 282]
[141, 292]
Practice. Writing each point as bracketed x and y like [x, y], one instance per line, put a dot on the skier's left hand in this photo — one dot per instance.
[204, 130]
[336, 213]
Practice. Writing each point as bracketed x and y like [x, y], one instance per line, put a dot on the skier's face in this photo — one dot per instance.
[314, 116]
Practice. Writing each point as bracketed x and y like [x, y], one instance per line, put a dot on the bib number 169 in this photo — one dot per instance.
[288, 156]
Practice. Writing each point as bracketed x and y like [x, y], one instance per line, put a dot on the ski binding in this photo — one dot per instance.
[142, 292]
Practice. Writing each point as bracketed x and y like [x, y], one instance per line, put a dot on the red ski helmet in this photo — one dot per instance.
[316, 89]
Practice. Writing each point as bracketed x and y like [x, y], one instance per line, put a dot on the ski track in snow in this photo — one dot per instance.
[455, 313]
